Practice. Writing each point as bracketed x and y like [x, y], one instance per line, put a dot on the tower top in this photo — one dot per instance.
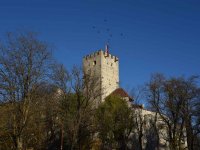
[100, 53]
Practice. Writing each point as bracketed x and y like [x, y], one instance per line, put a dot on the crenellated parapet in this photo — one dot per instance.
[101, 52]
[93, 55]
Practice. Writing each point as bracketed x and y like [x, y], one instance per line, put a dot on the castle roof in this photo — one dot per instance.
[121, 93]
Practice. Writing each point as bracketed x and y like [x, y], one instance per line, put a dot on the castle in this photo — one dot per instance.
[105, 68]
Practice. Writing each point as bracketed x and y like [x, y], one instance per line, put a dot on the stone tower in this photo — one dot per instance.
[105, 67]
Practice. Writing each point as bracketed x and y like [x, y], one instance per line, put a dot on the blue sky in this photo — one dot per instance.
[148, 36]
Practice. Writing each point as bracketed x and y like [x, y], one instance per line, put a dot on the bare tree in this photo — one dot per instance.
[173, 99]
[190, 95]
[61, 79]
[77, 104]
[24, 63]
[85, 97]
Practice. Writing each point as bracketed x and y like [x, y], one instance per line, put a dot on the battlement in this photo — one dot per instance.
[101, 52]
[93, 54]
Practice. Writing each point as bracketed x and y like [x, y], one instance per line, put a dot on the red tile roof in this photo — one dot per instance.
[121, 93]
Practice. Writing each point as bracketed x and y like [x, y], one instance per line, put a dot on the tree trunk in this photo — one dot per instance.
[189, 133]
[140, 141]
[61, 138]
[19, 143]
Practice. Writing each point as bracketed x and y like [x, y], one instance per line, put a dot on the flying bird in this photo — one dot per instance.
[106, 32]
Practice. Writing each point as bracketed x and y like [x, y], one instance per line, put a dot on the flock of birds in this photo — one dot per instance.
[106, 31]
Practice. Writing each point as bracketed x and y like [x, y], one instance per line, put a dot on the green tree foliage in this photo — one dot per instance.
[114, 123]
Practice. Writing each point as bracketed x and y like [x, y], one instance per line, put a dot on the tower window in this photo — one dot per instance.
[94, 63]
[111, 64]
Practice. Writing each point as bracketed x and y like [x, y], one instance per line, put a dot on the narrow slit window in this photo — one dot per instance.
[94, 63]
